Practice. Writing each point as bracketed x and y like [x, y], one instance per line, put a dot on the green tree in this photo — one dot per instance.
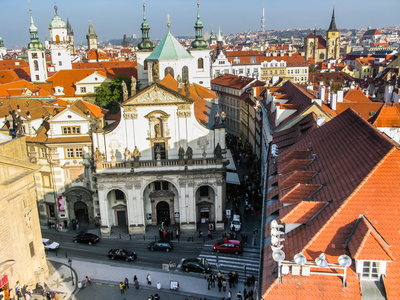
[109, 95]
[312, 69]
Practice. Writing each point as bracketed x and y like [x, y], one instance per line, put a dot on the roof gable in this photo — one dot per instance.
[67, 115]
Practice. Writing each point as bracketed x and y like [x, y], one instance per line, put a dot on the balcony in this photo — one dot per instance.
[155, 165]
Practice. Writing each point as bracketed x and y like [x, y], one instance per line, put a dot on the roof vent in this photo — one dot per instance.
[314, 156]
[372, 113]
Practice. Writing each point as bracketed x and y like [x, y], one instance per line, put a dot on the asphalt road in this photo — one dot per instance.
[98, 252]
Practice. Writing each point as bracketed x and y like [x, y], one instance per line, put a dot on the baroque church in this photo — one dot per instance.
[164, 160]
[321, 49]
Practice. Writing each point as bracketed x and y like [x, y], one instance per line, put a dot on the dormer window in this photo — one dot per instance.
[71, 130]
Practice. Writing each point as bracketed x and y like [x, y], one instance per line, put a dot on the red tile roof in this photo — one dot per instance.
[387, 116]
[232, 81]
[356, 95]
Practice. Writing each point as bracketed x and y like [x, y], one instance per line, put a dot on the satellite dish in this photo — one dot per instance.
[344, 260]
[275, 240]
[321, 261]
[278, 255]
[274, 224]
[300, 259]
[275, 231]
[276, 248]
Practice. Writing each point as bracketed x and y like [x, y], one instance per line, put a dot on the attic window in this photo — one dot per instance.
[95, 78]
[69, 116]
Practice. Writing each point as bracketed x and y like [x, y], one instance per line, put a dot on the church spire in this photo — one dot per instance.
[34, 44]
[145, 44]
[199, 43]
[333, 27]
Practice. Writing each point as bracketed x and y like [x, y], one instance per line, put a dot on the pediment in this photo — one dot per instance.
[157, 94]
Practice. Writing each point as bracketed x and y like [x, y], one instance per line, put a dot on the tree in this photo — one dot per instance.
[312, 69]
[109, 95]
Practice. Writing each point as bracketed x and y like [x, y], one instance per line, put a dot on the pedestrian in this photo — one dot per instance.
[121, 287]
[126, 283]
[245, 293]
[229, 295]
[148, 278]
[224, 285]
[209, 282]
[156, 297]
[212, 280]
[219, 285]
[239, 295]
[136, 283]
[177, 234]
[209, 233]
[77, 225]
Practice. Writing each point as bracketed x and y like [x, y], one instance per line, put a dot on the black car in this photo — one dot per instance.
[121, 254]
[88, 238]
[196, 265]
[160, 246]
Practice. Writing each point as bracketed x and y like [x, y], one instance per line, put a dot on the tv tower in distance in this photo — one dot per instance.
[263, 21]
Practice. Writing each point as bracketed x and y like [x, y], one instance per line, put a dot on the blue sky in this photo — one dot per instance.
[114, 18]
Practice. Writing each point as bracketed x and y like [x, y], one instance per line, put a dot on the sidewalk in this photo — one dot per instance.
[60, 280]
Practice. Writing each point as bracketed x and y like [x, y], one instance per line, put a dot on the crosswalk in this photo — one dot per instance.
[246, 264]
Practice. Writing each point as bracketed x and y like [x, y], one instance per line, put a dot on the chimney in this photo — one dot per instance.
[334, 101]
[321, 92]
[339, 96]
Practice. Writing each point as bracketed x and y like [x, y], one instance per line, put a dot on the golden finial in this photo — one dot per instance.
[168, 24]
[144, 4]
[198, 2]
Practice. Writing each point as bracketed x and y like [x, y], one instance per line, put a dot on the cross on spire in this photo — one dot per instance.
[55, 8]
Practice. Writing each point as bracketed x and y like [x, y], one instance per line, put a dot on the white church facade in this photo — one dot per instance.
[160, 164]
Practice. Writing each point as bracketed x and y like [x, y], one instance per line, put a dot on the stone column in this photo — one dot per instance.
[219, 222]
[105, 228]
[138, 225]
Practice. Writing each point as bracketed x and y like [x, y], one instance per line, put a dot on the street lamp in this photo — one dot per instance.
[72, 274]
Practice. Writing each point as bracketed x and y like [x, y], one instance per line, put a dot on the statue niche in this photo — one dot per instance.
[158, 129]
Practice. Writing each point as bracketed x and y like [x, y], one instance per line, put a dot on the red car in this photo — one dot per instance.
[229, 246]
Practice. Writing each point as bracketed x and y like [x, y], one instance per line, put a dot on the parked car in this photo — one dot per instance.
[49, 244]
[229, 246]
[236, 224]
[196, 265]
[121, 254]
[88, 238]
[160, 246]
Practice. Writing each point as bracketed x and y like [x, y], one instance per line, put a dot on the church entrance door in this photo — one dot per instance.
[81, 212]
[163, 213]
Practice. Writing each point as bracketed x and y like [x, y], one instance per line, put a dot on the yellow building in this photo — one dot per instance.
[22, 256]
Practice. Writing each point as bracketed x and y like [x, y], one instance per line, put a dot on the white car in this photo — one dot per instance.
[49, 244]
[236, 225]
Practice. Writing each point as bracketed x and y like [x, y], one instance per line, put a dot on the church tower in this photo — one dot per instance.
[91, 38]
[36, 56]
[70, 37]
[333, 40]
[3, 50]
[201, 53]
[59, 44]
[145, 48]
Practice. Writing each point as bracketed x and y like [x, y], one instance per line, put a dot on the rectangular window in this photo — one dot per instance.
[60, 63]
[83, 89]
[73, 152]
[32, 249]
[160, 151]
[51, 211]
[37, 77]
[71, 130]
[204, 191]
[370, 270]
[46, 180]
[43, 152]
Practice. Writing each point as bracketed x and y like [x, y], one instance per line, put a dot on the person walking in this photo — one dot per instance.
[121, 287]
[148, 278]
[219, 285]
[136, 283]
[224, 285]
[88, 280]
[126, 283]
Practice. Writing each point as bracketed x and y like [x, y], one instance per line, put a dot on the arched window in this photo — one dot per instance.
[169, 70]
[321, 56]
[185, 73]
[145, 65]
[200, 63]
[36, 65]
[57, 38]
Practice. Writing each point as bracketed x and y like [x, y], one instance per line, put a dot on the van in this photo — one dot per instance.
[236, 224]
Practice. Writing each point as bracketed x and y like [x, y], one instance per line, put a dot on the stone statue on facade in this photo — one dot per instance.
[136, 154]
[189, 153]
[133, 86]
[180, 84]
[155, 72]
[157, 130]
[124, 91]
[217, 119]
[218, 151]
[98, 156]
[127, 154]
[158, 153]
[181, 152]
[187, 88]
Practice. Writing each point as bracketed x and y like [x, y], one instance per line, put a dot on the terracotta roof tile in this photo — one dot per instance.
[387, 116]
[356, 95]
[303, 212]
[233, 81]
[298, 193]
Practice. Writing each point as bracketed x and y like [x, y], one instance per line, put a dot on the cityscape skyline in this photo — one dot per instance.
[230, 15]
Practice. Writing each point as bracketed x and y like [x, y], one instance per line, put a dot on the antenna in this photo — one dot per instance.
[300, 259]
[321, 261]
[278, 255]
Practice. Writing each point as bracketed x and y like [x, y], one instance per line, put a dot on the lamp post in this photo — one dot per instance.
[72, 274]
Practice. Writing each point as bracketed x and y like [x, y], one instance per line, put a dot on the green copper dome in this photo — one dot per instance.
[57, 22]
[34, 44]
